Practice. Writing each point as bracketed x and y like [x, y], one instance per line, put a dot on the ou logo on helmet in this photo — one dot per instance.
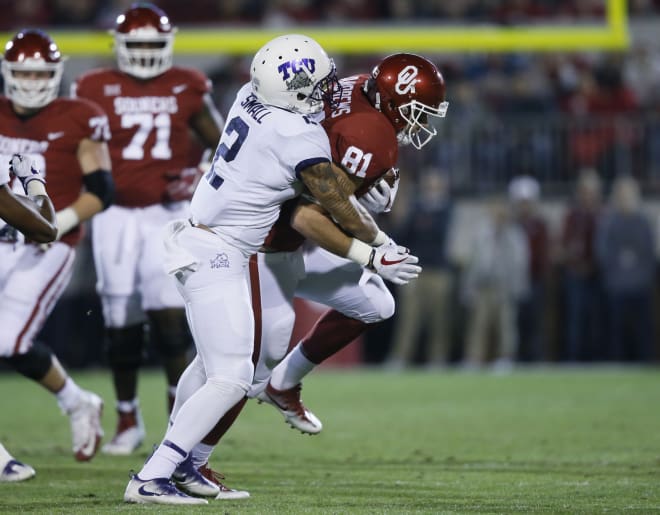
[406, 80]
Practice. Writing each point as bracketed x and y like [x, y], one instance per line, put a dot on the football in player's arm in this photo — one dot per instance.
[33, 215]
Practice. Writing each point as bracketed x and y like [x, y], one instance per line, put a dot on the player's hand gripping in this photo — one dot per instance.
[23, 168]
[394, 263]
[380, 197]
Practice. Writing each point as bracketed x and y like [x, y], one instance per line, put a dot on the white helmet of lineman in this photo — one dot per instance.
[294, 72]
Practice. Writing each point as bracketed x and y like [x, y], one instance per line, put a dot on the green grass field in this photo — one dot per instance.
[534, 441]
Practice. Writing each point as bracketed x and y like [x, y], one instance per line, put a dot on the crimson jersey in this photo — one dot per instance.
[51, 137]
[362, 141]
[149, 121]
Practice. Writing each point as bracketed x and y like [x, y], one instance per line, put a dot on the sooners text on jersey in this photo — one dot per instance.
[363, 143]
[51, 138]
[149, 121]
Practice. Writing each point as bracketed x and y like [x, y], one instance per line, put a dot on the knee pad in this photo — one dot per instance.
[381, 300]
[169, 332]
[125, 347]
[34, 364]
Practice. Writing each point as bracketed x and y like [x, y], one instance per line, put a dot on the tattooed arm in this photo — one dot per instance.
[333, 190]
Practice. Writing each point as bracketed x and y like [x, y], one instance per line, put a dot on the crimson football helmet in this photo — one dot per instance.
[32, 69]
[144, 40]
[409, 89]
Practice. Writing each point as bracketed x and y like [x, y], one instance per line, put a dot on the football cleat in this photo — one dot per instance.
[129, 436]
[157, 491]
[217, 478]
[86, 430]
[289, 404]
[14, 471]
[191, 481]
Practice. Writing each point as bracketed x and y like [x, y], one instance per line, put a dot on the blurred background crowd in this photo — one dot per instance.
[535, 212]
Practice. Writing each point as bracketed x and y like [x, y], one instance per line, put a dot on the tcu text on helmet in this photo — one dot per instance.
[296, 66]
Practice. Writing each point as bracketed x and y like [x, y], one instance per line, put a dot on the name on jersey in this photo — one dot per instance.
[125, 105]
[22, 146]
[342, 97]
[254, 108]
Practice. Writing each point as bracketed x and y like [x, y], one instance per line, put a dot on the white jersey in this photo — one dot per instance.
[255, 169]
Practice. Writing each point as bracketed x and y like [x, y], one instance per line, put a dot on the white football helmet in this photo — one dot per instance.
[144, 40]
[32, 51]
[294, 72]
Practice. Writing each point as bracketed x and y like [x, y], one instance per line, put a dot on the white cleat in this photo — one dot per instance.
[157, 491]
[188, 479]
[129, 436]
[289, 404]
[14, 471]
[86, 430]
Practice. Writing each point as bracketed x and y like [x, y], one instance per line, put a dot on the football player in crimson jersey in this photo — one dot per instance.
[152, 107]
[66, 139]
[375, 114]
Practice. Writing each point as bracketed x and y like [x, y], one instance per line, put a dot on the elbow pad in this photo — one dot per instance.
[100, 183]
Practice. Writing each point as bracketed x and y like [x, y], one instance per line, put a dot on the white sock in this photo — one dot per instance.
[200, 454]
[291, 370]
[163, 462]
[201, 412]
[128, 406]
[69, 395]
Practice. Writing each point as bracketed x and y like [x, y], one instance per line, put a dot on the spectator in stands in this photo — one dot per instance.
[625, 249]
[581, 283]
[524, 193]
[494, 280]
[426, 305]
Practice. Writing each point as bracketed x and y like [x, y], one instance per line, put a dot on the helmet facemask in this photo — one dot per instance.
[418, 132]
[29, 91]
[144, 53]
[324, 91]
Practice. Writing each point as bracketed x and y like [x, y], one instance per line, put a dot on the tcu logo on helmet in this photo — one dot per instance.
[296, 66]
[406, 80]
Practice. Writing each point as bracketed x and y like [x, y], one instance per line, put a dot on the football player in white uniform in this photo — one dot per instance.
[270, 151]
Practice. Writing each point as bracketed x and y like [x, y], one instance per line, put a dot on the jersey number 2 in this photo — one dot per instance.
[235, 126]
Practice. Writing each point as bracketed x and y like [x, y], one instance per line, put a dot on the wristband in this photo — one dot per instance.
[35, 188]
[359, 252]
[66, 220]
[380, 239]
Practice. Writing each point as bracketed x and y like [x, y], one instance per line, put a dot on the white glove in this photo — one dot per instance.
[23, 168]
[380, 197]
[394, 263]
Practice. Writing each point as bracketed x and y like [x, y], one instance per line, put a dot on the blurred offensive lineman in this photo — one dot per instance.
[374, 113]
[270, 149]
[66, 139]
[152, 106]
[34, 216]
